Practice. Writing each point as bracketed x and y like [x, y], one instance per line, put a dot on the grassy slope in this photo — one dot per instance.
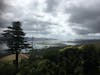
[11, 57]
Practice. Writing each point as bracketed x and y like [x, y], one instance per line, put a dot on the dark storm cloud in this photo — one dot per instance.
[86, 15]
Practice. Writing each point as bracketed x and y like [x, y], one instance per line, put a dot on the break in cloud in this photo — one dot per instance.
[62, 19]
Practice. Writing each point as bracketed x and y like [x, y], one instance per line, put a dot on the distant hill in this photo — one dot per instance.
[38, 39]
[85, 41]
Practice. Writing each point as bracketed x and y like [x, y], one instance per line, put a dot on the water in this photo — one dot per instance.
[50, 43]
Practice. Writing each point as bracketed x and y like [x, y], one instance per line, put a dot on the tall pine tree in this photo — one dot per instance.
[14, 36]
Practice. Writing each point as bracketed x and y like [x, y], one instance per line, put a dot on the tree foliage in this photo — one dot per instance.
[14, 36]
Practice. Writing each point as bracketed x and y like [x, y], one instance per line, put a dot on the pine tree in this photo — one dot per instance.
[14, 36]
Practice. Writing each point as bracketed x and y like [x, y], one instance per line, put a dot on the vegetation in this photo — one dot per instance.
[71, 60]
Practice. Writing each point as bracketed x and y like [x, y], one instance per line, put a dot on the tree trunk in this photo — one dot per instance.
[17, 65]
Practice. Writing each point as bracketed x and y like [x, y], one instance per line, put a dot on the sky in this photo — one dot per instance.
[59, 19]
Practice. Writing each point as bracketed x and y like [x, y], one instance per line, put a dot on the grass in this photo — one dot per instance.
[10, 58]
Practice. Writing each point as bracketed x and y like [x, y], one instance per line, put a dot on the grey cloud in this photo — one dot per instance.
[85, 16]
[29, 23]
[1, 9]
[51, 5]
[37, 26]
[3, 22]
[81, 31]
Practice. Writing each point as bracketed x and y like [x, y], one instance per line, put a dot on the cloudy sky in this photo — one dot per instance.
[60, 19]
